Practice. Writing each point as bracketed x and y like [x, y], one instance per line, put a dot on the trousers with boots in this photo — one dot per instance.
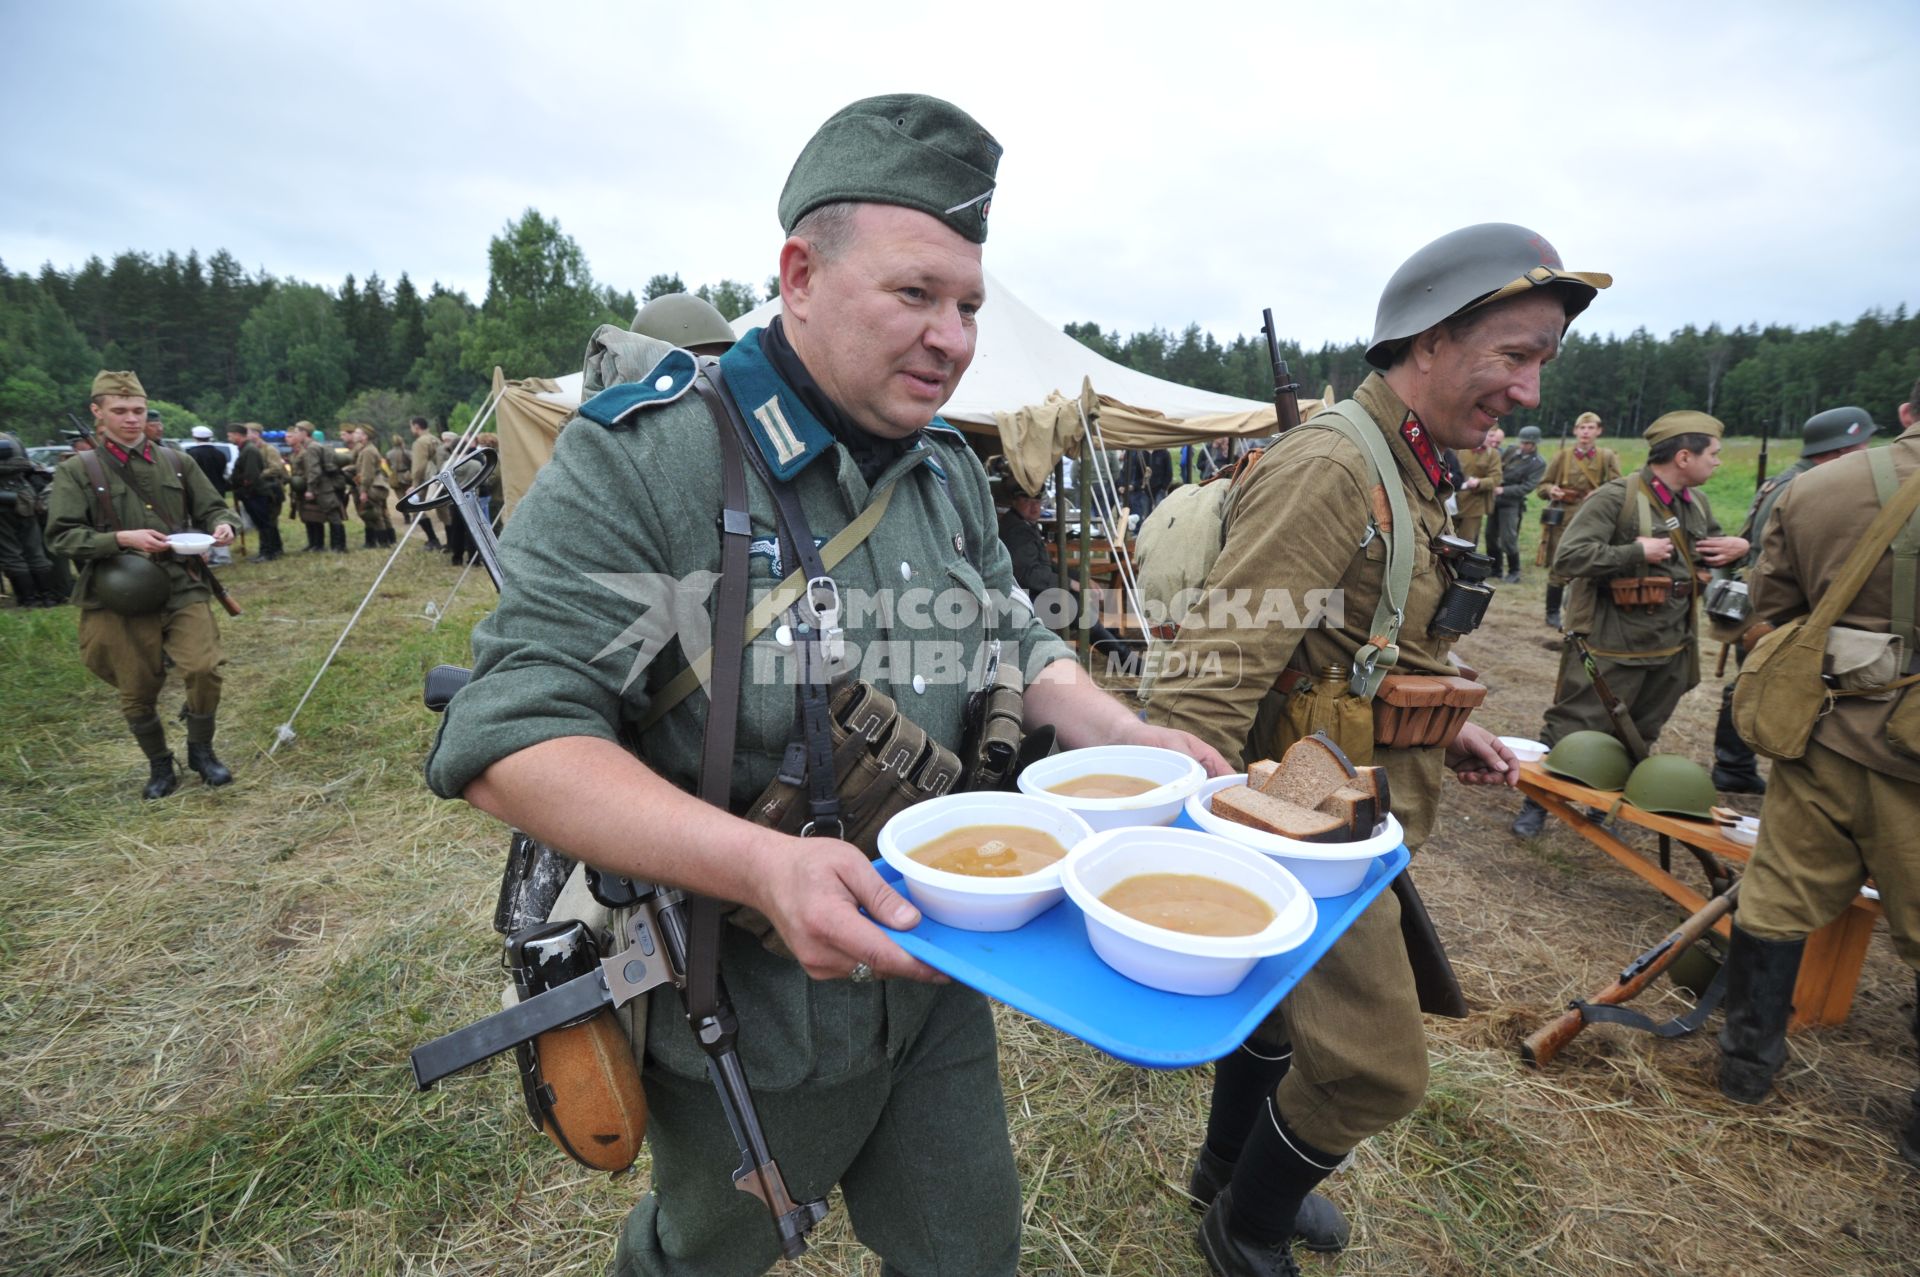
[1753, 1042]
[1243, 1082]
[1735, 768]
[337, 533]
[200, 756]
[1249, 1229]
[152, 735]
[1554, 594]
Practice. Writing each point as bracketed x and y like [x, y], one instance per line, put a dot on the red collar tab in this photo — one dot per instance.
[1585, 454]
[1667, 497]
[1416, 436]
[121, 454]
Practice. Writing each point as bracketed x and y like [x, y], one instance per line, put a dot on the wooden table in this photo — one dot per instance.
[1830, 968]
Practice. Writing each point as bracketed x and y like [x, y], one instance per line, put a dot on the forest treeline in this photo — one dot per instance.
[217, 343]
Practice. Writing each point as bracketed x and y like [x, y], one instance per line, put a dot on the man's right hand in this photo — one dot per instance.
[1656, 549]
[145, 540]
[1555, 492]
[814, 897]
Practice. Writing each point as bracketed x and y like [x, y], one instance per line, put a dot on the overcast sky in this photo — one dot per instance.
[1165, 163]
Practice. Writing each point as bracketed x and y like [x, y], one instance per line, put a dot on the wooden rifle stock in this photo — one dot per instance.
[1544, 1043]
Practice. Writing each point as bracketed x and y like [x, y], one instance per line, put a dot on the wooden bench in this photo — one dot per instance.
[1830, 968]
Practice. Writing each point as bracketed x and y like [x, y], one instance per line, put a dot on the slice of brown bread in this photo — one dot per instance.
[1375, 779]
[1310, 770]
[1272, 815]
[1355, 806]
[1261, 772]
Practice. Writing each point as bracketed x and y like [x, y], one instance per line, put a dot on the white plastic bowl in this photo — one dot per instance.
[1527, 751]
[1323, 868]
[1175, 778]
[1204, 966]
[190, 542]
[962, 900]
[1746, 832]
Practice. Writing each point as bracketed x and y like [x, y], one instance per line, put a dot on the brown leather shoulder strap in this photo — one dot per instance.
[97, 479]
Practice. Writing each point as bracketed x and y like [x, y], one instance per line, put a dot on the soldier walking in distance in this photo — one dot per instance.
[1480, 467]
[1463, 330]
[319, 483]
[1847, 808]
[887, 1087]
[1636, 554]
[1521, 466]
[256, 487]
[1826, 437]
[371, 488]
[111, 510]
[423, 468]
[1573, 475]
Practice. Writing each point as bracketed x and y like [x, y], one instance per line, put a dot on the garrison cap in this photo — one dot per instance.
[1834, 429]
[117, 383]
[1529, 434]
[1671, 425]
[901, 148]
[1469, 268]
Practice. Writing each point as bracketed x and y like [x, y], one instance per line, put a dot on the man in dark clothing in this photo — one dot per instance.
[1033, 571]
[210, 457]
[1159, 478]
[1521, 466]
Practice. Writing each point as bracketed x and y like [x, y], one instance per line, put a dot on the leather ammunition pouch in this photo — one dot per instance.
[883, 763]
[1642, 593]
[1422, 711]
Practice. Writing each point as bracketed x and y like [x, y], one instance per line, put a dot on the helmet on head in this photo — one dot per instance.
[1529, 434]
[1595, 759]
[1468, 268]
[131, 585]
[684, 320]
[12, 455]
[1673, 786]
[1834, 429]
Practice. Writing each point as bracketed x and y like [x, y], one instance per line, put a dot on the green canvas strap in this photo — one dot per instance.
[1906, 548]
[1376, 658]
[777, 601]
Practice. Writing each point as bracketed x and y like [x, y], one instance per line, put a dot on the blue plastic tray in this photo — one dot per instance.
[1049, 971]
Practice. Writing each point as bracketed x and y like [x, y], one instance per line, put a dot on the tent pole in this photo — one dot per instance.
[1083, 621]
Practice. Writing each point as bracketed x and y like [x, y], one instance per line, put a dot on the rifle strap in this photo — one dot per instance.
[1678, 1027]
[723, 709]
[1377, 657]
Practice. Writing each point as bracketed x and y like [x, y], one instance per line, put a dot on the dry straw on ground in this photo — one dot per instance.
[209, 1002]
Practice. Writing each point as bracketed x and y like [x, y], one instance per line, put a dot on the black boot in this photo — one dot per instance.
[1753, 1042]
[1242, 1085]
[1249, 1229]
[152, 735]
[1531, 820]
[200, 755]
[1554, 595]
[316, 538]
[370, 539]
[47, 581]
[337, 533]
[1735, 769]
[25, 594]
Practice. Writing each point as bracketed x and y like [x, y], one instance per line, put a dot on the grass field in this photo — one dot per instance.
[209, 1002]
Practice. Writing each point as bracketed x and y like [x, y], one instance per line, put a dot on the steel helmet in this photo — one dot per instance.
[1529, 434]
[12, 455]
[1469, 268]
[684, 320]
[1673, 786]
[1595, 759]
[131, 585]
[1834, 429]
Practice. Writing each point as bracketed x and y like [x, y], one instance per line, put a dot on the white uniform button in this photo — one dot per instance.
[906, 570]
[783, 635]
[920, 684]
[663, 384]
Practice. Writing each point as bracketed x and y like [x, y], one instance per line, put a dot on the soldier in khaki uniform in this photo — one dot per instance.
[1655, 528]
[1345, 1055]
[425, 446]
[888, 1087]
[371, 488]
[1848, 807]
[110, 510]
[1826, 436]
[318, 487]
[1474, 501]
[1573, 474]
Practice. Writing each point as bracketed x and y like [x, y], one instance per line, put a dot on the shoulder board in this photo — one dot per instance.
[665, 382]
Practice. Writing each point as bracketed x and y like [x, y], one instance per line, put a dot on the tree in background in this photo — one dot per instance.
[438, 377]
[386, 411]
[294, 358]
[661, 286]
[541, 303]
[730, 297]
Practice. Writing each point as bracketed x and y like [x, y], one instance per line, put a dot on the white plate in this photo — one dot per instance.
[1174, 775]
[1527, 751]
[190, 543]
[1323, 868]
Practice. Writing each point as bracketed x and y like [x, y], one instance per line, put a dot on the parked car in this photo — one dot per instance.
[48, 455]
